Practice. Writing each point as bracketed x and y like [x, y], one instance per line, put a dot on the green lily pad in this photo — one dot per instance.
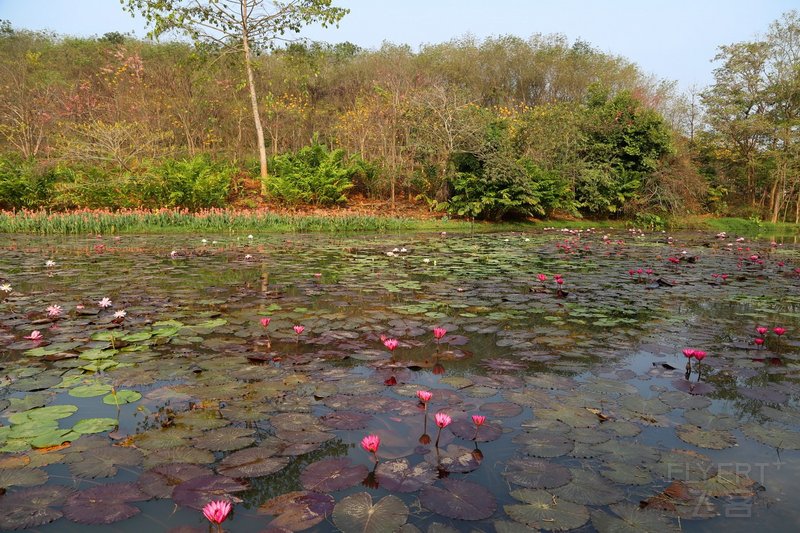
[95, 425]
[356, 513]
[122, 397]
[542, 511]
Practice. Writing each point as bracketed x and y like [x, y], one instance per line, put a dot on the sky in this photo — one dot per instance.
[671, 39]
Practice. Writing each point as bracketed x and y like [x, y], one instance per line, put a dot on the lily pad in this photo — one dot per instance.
[159, 482]
[630, 518]
[104, 504]
[198, 491]
[298, 510]
[399, 476]
[460, 499]
[705, 438]
[356, 513]
[346, 420]
[103, 462]
[454, 458]
[587, 488]
[94, 425]
[331, 475]
[33, 507]
[22, 477]
[542, 511]
[122, 397]
[536, 474]
[252, 462]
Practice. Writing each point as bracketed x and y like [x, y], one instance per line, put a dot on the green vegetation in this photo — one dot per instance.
[504, 128]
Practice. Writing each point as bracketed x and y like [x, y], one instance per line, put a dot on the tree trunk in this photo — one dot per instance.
[251, 86]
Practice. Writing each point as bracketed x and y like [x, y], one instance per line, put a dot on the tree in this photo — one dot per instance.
[237, 26]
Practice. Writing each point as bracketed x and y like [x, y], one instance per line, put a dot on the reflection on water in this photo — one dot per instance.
[589, 379]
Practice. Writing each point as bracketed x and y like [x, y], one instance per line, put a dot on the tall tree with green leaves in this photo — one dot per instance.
[237, 26]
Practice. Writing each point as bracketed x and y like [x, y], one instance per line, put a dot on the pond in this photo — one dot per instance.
[653, 388]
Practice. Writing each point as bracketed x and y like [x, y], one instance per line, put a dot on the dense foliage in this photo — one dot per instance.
[500, 128]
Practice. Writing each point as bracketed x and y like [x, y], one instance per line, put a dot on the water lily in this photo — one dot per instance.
[105, 302]
[542, 277]
[54, 311]
[761, 330]
[424, 397]
[35, 335]
[217, 511]
[248, 257]
[6, 288]
[120, 314]
[250, 237]
[49, 263]
[391, 344]
[442, 421]
[265, 321]
[699, 355]
[688, 353]
[371, 443]
[778, 330]
[438, 333]
[478, 420]
[759, 341]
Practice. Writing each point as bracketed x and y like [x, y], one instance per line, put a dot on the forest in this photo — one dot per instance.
[505, 127]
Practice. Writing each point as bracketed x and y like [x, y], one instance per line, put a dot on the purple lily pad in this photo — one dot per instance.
[32, 507]
[346, 420]
[465, 429]
[460, 499]
[330, 475]
[159, 482]
[693, 387]
[197, 492]
[252, 462]
[399, 476]
[104, 504]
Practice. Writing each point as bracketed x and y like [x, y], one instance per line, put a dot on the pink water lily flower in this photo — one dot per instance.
[761, 330]
[478, 420]
[217, 511]
[442, 419]
[35, 335]
[105, 302]
[542, 277]
[688, 352]
[438, 333]
[424, 396]
[299, 329]
[371, 443]
[779, 330]
[699, 355]
[54, 311]
[391, 344]
[265, 321]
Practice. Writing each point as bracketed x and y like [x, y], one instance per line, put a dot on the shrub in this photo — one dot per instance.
[313, 175]
[23, 184]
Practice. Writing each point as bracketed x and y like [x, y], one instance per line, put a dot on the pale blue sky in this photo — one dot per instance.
[672, 39]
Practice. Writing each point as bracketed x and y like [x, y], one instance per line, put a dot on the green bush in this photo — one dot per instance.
[313, 175]
[193, 183]
[23, 184]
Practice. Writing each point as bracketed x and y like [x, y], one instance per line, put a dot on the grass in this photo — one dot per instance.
[735, 226]
[220, 221]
